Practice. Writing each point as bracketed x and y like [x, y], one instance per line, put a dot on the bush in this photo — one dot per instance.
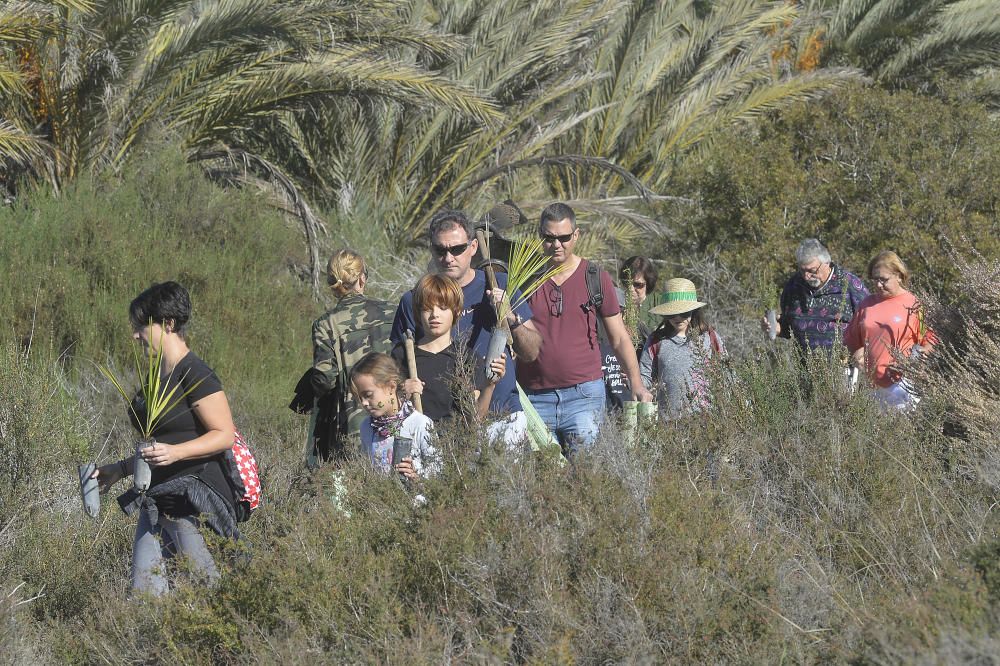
[792, 520]
[863, 170]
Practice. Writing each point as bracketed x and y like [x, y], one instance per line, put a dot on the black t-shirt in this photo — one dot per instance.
[436, 371]
[181, 424]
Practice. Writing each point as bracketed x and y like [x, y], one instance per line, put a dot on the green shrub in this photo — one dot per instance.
[863, 170]
[791, 521]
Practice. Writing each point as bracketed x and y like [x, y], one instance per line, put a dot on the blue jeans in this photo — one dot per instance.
[573, 414]
[168, 538]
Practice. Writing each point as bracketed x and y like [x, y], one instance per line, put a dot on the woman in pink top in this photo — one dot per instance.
[888, 325]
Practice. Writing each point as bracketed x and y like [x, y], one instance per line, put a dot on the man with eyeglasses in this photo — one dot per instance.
[565, 383]
[453, 246]
[819, 301]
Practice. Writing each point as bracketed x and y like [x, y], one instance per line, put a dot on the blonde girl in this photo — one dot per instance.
[377, 381]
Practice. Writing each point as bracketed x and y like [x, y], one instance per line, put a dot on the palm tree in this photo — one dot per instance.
[912, 41]
[530, 56]
[676, 72]
[232, 80]
[22, 25]
[600, 98]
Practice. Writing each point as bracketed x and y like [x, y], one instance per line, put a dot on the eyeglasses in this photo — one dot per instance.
[454, 250]
[681, 315]
[556, 301]
[638, 285]
[552, 238]
[883, 280]
[811, 270]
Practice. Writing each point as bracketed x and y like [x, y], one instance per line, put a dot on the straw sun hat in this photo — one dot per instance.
[679, 297]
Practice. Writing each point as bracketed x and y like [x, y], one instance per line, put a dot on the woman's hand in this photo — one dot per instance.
[413, 386]
[108, 475]
[160, 455]
[405, 467]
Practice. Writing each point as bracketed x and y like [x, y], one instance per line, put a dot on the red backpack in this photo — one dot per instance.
[240, 468]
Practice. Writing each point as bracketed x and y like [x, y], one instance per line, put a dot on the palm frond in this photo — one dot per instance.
[19, 147]
[959, 30]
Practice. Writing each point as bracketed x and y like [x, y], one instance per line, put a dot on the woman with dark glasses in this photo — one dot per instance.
[637, 277]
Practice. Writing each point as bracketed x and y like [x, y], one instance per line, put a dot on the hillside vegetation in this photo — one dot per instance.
[232, 145]
[792, 523]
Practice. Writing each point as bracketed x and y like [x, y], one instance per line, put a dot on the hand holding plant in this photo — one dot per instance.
[525, 274]
[159, 398]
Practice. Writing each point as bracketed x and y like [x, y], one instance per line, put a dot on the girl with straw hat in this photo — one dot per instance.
[676, 354]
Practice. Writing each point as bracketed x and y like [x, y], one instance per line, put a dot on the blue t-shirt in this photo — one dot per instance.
[477, 322]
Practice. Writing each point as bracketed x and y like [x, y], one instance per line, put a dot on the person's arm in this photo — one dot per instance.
[621, 342]
[213, 412]
[646, 361]
[325, 368]
[110, 474]
[527, 341]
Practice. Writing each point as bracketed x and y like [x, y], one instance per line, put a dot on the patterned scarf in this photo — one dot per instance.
[386, 426]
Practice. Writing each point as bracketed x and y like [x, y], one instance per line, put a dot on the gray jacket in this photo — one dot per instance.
[675, 368]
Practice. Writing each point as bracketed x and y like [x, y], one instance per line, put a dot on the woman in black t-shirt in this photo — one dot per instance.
[187, 477]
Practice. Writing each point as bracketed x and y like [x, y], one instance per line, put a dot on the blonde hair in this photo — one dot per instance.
[890, 260]
[344, 271]
[381, 367]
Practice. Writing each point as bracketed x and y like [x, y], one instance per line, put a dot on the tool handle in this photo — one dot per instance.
[411, 362]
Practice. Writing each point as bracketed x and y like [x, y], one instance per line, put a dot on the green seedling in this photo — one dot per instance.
[159, 400]
[525, 274]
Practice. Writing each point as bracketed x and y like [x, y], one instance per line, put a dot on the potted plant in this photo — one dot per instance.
[157, 397]
[526, 274]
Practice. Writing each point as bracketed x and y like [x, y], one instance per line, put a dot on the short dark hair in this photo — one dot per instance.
[447, 218]
[636, 266]
[164, 301]
[557, 212]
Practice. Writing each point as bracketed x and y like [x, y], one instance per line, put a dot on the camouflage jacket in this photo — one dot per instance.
[363, 325]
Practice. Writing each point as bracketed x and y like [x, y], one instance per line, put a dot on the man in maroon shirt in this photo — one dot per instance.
[565, 383]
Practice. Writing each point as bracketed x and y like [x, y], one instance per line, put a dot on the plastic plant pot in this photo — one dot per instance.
[88, 490]
[772, 323]
[142, 475]
[630, 421]
[498, 343]
[647, 412]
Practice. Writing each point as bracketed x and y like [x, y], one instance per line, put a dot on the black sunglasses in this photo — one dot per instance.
[551, 238]
[639, 285]
[454, 250]
[556, 301]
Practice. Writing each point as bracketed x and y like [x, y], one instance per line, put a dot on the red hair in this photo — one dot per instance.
[437, 290]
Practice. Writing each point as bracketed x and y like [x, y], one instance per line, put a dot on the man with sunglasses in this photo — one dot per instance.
[565, 382]
[453, 246]
[819, 301]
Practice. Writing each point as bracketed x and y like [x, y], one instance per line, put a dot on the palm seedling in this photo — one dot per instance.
[157, 398]
[526, 273]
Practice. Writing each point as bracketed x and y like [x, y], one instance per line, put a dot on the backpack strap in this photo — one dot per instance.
[594, 287]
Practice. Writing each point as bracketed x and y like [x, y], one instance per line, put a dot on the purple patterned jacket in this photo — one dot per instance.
[819, 318]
